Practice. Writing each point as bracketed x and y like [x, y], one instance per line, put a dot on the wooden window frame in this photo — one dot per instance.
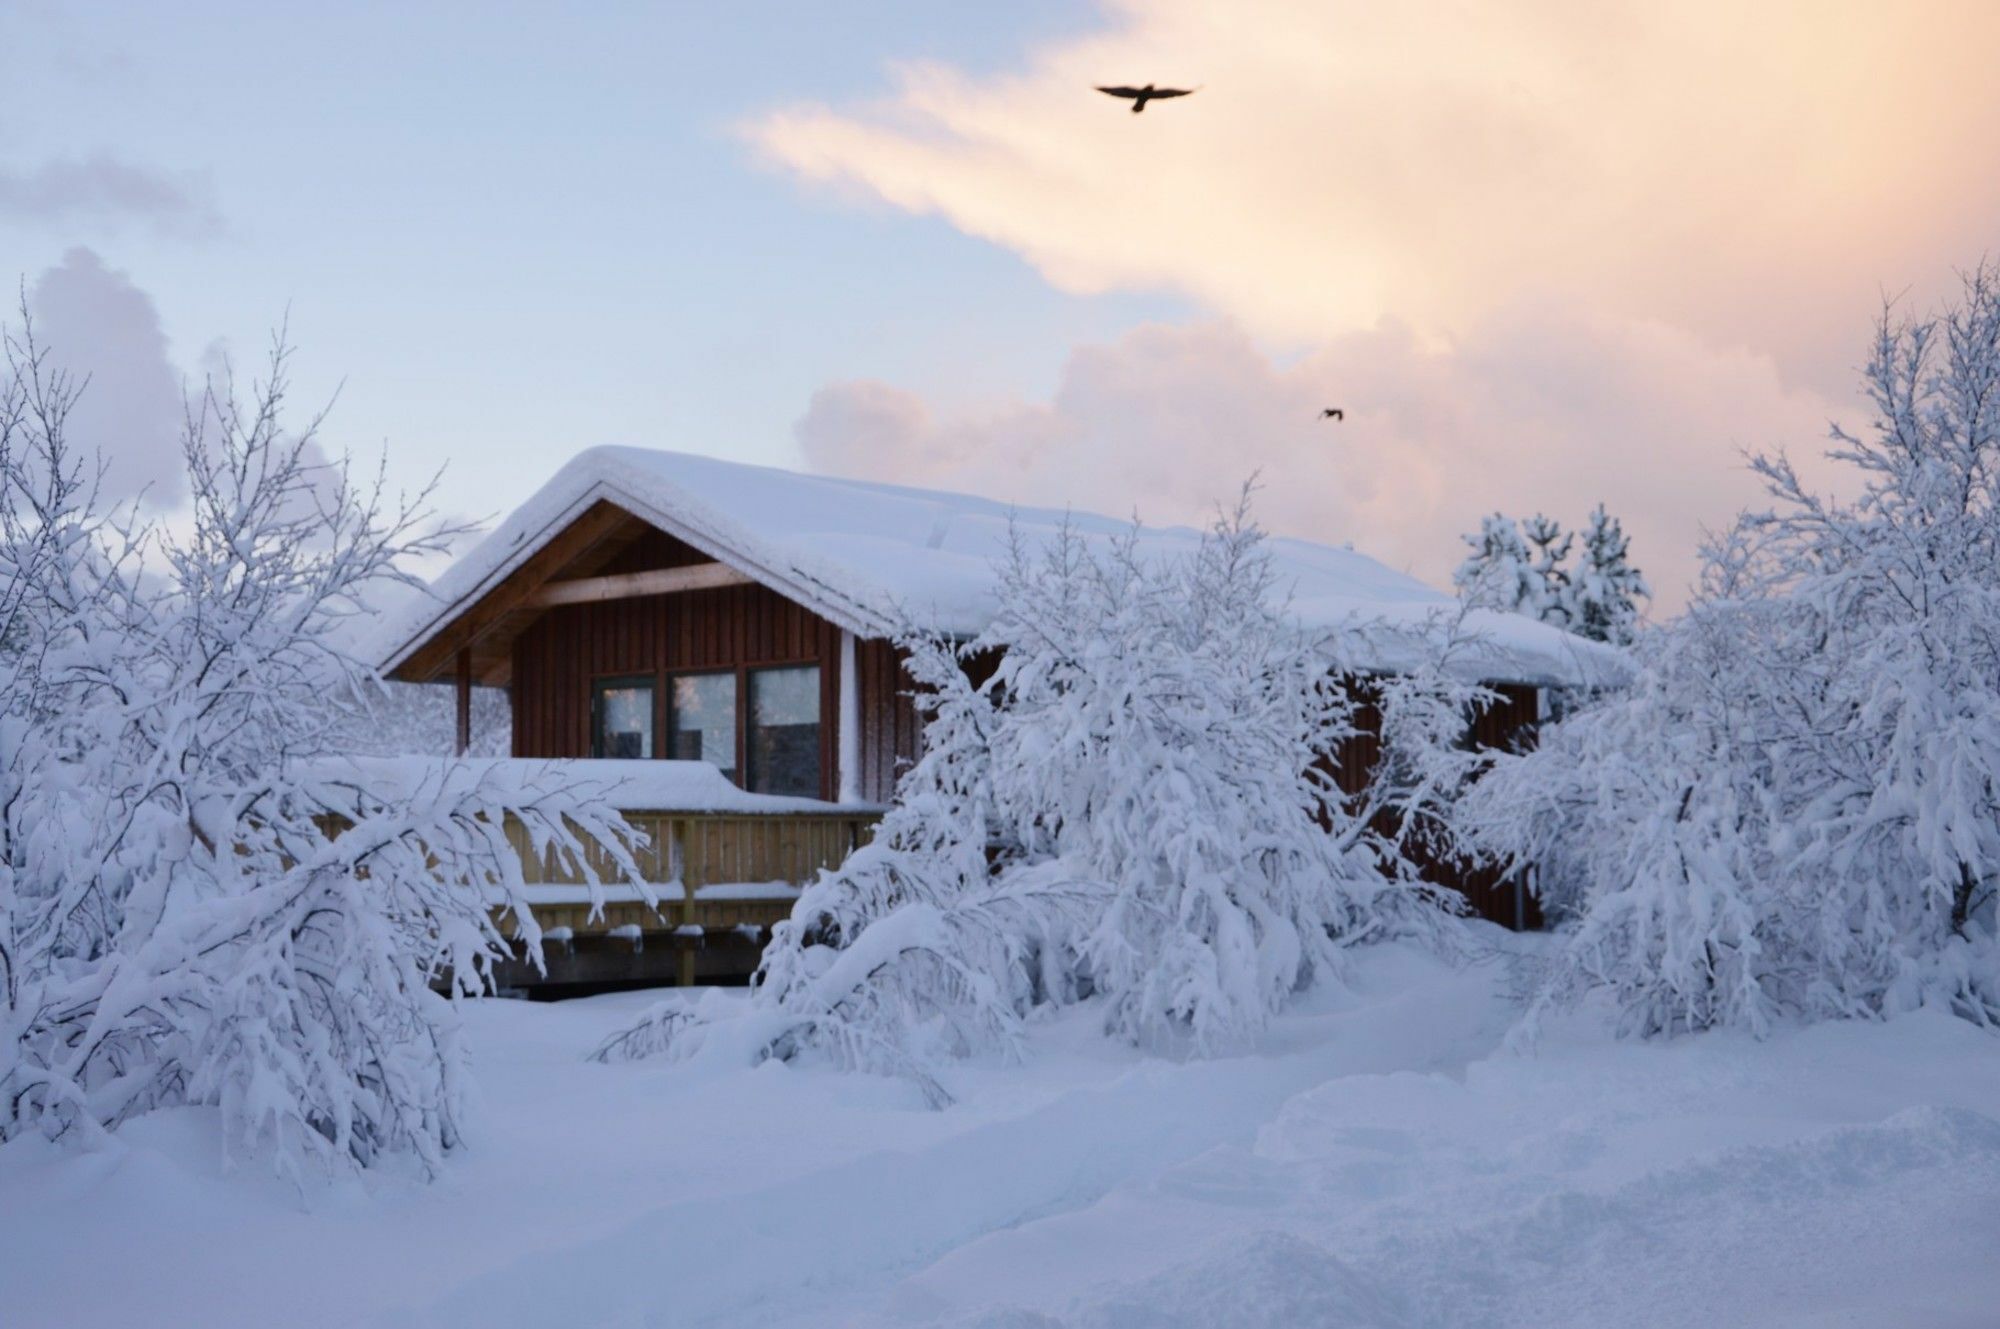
[818, 666]
[742, 693]
[597, 683]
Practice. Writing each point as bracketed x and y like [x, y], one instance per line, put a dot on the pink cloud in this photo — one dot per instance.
[1543, 253]
[1753, 173]
[1536, 409]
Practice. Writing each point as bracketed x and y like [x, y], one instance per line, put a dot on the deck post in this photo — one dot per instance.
[848, 731]
[684, 946]
[464, 682]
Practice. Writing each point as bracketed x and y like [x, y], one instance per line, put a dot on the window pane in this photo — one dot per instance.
[701, 722]
[621, 712]
[784, 731]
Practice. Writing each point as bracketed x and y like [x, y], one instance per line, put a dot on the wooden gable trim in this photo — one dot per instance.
[506, 605]
[596, 524]
[631, 585]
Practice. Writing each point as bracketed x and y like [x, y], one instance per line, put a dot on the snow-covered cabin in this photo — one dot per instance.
[652, 605]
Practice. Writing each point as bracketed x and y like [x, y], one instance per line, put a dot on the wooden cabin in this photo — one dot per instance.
[647, 609]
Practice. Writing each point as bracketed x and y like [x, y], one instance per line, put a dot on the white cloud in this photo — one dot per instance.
[101, 188]
[97, 325]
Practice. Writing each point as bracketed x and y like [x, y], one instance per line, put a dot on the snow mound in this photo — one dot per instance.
[631, 786]
[1259, 1281]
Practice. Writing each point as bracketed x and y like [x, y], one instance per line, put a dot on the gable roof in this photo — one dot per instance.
[874, 558]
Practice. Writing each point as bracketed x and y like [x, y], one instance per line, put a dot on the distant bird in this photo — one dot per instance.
[1140, 96]
[1333, 413]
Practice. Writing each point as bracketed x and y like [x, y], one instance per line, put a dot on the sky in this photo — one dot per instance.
[1543, 255]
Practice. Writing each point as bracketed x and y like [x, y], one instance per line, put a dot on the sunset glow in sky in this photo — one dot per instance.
[1542, 254]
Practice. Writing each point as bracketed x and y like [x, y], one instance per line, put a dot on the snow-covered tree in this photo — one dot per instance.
[1795, 810]
[1605, 590]
[1524, 568]
[196, 906]
[385, 718]
[1550, 545]
[1500, 572]
[1135, 808]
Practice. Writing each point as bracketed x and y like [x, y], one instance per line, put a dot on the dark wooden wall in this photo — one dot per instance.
[559, 655]
[891, 729]
[1509, 723]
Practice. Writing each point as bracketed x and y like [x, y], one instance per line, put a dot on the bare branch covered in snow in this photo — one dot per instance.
[1794, 811]
[185, 914]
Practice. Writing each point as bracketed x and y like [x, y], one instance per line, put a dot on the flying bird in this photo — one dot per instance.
[1140, 96]
[1333, 413]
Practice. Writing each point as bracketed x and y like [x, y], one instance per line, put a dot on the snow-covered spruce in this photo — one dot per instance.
[1123, 797]
[186, 914]
[1524, 568]
[1794, 811]
[1606, 592]
[1500, 573]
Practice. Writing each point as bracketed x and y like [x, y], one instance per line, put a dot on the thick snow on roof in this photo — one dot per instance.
[875, 558]
[630, 786]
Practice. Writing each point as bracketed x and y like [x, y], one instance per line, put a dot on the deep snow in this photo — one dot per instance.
[1378, 1160]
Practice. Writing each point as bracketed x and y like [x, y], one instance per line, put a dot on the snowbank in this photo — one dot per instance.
[1378, 1163]
[631, 786]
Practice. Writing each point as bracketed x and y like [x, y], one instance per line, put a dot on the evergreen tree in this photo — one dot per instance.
[1500, 573]
[1553, 593]
[1606, 589]
[1523, 568]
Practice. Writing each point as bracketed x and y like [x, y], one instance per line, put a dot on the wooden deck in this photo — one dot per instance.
[722, 881]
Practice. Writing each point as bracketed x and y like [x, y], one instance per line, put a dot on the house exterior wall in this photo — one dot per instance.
[1510, 723]
[891, 729]
[561, 653]
[558, 657]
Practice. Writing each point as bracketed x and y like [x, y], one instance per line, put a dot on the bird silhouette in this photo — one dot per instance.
[1333, 413]
[1140, 96]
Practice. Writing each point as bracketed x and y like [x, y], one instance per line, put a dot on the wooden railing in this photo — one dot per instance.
[718, 877]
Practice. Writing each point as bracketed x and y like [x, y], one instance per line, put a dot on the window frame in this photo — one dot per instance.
[598, 684]
[744, 706]
[737, 718]
[661, 679]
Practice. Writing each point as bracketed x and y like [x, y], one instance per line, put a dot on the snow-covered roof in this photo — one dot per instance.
[874, 558]
[630, 786]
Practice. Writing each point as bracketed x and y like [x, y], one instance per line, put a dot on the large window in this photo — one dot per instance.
[701, 719]
[621, 717]
[782, 740]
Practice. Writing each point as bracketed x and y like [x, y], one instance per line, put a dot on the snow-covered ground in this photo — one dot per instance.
[1377, 1161]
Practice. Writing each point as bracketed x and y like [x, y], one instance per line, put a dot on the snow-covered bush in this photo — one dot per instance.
[195, 907]
[1795, 809]
[1128, 801]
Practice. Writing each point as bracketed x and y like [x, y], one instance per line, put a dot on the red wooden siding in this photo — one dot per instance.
[891, 729]
[1510, 723]
[558, 656]
[735, 627]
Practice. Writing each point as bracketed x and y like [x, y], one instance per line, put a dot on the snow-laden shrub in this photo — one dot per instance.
[1125, 798]
[195, 907]
[1794, 812]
